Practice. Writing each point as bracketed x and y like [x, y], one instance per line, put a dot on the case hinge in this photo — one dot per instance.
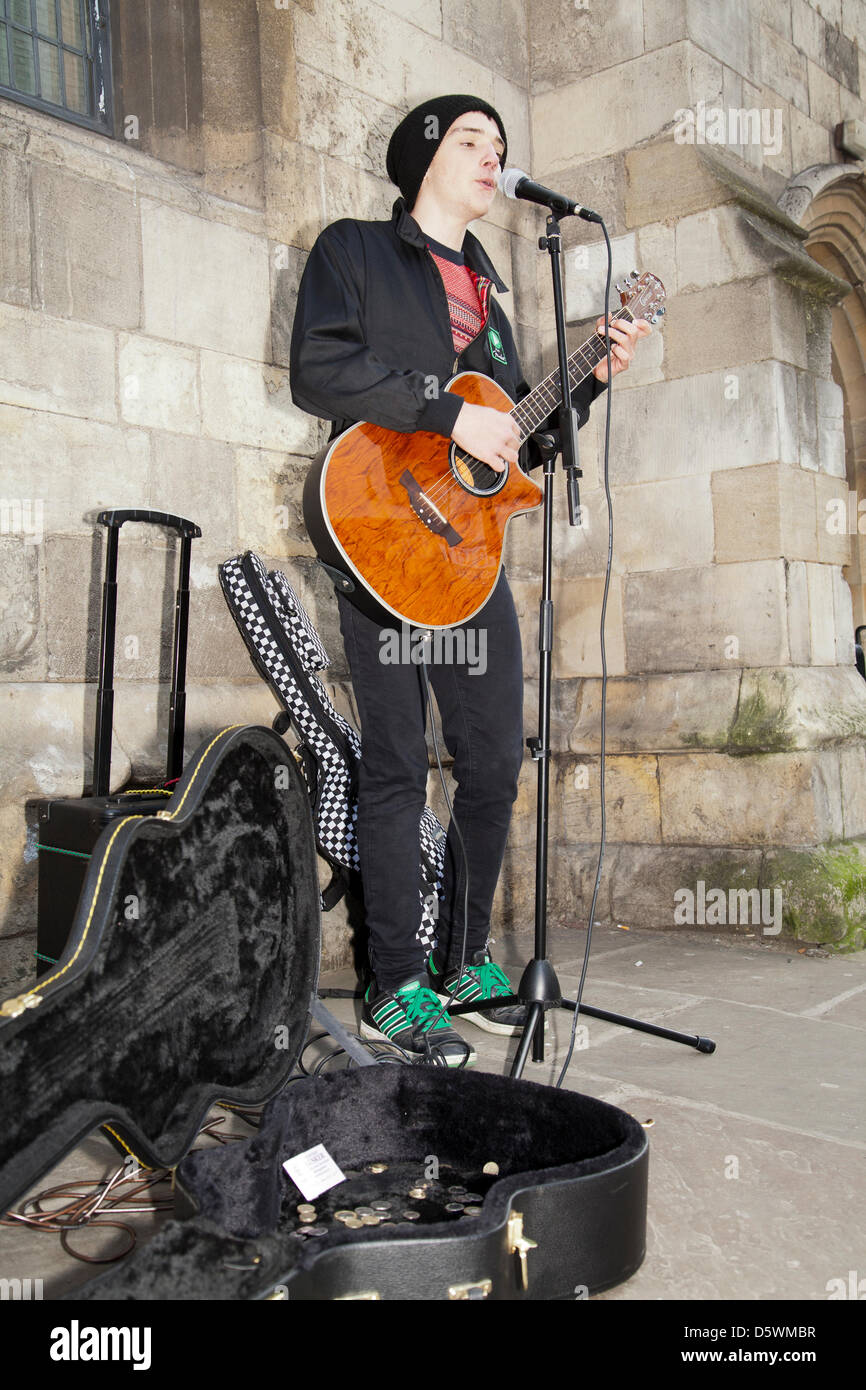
[520, 1245]
[11, 1008]
[482, 1288]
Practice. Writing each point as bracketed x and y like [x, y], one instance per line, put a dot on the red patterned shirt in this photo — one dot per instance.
[466, 292]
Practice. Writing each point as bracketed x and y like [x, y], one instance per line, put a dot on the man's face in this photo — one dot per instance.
[465, 169]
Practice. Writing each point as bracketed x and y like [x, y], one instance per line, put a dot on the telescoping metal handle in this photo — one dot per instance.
[188, 531]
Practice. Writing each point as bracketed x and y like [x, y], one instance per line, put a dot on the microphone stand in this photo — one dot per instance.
[539, 988]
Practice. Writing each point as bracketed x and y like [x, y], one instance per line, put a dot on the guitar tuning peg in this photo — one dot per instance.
[661, 311]
[634, 275]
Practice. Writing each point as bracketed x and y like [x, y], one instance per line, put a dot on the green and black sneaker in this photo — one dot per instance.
[484, 981]
[409, 1017]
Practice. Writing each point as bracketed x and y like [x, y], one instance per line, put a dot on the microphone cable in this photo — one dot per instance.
[601, 847]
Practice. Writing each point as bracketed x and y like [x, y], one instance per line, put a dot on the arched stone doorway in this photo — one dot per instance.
[829, 201]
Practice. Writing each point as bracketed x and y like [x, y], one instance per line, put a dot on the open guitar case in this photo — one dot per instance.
[188, 979]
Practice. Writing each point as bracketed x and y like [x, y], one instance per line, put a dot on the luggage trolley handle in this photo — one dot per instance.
[188, 531]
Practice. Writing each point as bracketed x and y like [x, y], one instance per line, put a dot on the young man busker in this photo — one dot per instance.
[384, 309]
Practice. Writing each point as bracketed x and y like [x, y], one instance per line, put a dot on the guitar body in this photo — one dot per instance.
[415, 524]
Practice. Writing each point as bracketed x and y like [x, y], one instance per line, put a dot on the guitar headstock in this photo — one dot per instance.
[643, 296]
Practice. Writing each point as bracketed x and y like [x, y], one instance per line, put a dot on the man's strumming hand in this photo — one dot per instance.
[489, 435]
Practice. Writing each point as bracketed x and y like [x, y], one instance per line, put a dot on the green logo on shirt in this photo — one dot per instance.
[497, 351]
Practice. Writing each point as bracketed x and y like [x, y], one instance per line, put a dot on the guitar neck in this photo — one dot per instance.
[535, 408]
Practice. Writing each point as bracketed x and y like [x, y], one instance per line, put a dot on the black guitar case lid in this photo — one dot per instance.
[197, 937]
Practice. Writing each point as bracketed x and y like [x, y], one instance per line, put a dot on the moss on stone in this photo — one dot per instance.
[823, 893]
[760, 726]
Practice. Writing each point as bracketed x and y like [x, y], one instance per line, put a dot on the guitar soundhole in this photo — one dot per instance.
[473, 475]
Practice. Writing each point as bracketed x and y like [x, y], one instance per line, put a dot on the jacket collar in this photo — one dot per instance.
[476, 257]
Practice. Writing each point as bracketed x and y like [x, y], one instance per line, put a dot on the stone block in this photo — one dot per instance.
[427, 14]
[347, 124]
[356, 44]
[588, 118]
[159, 384]
[831, 434]
[509, 99]
[824, 104]
[87, 262]
[822, 617]
[773, 799]
[667, 180]
[664, 22]
[714, 247]
[287, 266]
[702, 423]
[247, 403]
[688, 620]
[193, 270]
[55, 365]
[783, 68]
[15, 255]
[656, 249]
[811, 143]
[577, 604]
[70, 466]
[662, 525]
[269, 488]
[728, 31]
[494, 32]
[21, 648]
[843, 609]
[47, 725]
[751, 320]
[658, 712]
[764, 512]
[195, 478]
[571, 41]
[823, 893]
[585, 271]
[797, 608]
[631, 800]
[804, 707]
[647, 882]
[841, 58]
[293, 192]
[808, 29]
[833, 510]
[852, 767]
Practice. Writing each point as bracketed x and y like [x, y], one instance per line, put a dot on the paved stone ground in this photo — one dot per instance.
[758, 1151]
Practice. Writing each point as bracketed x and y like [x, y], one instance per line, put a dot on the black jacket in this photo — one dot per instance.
[371, 338]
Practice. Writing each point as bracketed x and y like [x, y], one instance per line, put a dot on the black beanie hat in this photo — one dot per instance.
[417, 138]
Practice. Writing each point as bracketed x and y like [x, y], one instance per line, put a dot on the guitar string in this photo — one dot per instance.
[439, 492]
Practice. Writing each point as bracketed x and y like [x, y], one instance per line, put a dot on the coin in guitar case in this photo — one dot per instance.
[457, 1189]
[454, 1206]
[409, 1215]
[418, 1192]
[307, 1218]
[491, 1168]
[372, 1220]
[305, 1206]
[317, 1230]
[343, 1215]
[472, 1197]
[471, 1211]
[299, 1235]
[364, 1211]
[354, 1223]
[382, 1206]
[375, 1167]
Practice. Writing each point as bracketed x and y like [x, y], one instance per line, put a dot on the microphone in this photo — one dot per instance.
[517, 184]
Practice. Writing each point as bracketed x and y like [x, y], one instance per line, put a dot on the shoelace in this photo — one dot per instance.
[422, 1005]
[491, 978]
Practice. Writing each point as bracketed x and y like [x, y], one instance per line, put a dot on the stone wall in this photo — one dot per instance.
[735, 715]
[147, 288]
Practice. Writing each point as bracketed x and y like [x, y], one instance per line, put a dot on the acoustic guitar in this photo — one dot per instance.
[412, 524]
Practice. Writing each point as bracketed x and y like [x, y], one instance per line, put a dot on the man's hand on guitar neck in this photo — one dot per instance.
[623, 340]
[489, 435]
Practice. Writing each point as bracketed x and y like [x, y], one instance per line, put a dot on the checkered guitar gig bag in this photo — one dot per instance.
[287, 651]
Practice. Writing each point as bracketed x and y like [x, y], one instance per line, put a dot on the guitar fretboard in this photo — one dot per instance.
[534, 409]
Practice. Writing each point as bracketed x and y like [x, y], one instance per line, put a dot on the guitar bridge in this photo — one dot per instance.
[426, 511]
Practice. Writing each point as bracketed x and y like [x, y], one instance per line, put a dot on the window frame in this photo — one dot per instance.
[97, 19]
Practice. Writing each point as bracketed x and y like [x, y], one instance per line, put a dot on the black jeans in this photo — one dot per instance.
[480, 701]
